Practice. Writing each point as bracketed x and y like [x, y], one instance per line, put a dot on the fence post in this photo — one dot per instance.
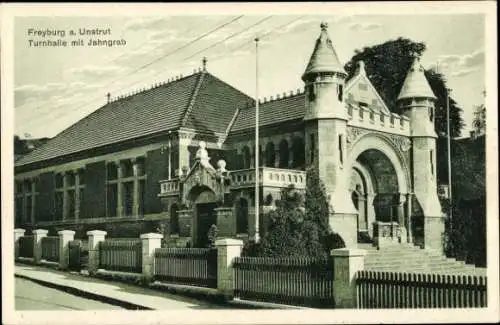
[95, 237]
[227, 250]
[18, 233]
[150, 242]
[38, 234]
[346, 262]
[65, 236]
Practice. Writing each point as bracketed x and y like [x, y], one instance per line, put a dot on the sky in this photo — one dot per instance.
[57, 86]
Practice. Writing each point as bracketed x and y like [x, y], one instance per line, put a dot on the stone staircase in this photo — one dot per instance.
[413, 259]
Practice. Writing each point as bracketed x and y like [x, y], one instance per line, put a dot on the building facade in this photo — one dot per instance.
[180, 156]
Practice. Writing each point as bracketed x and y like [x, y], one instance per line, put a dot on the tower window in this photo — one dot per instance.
[311, 92]
[432, 162]
[312, 147]
[340, 91]
[431, 114]
[341, 151]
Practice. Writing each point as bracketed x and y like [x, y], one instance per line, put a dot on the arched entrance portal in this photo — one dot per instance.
[378, 185]
[204, 215]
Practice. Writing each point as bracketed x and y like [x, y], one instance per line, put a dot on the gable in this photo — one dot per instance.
[214, 106]
[360, 91]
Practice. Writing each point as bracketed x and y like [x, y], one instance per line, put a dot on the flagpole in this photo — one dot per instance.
[256, 163]
[448, 90]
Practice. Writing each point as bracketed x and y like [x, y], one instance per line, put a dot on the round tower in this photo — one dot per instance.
[325, 132]
[324, 80]
[417, 99]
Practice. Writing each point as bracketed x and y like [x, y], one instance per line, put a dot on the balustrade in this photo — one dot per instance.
[268, 177]
[169, 187]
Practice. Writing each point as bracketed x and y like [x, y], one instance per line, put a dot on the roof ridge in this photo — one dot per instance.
[192, 101]
[155, 85]
[231, 123]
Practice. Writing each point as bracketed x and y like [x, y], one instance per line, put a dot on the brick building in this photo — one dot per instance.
[181, 155]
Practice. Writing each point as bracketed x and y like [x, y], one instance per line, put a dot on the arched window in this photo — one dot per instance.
[283, 154]
[246, 157]
[270, 154]
[242, 216]
[174, 219]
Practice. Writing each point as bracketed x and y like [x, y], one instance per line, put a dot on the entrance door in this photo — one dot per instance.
[205, 217]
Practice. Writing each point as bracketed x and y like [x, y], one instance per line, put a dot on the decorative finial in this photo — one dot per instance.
[324, 26]
[109, 97]
[361, 67]
[204, 62]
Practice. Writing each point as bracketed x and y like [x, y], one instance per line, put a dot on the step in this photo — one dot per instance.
[446, 271]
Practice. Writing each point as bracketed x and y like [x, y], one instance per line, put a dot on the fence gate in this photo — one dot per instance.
[78, 255]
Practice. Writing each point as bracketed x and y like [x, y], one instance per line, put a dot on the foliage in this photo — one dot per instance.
[162, 228]
[387, 65]
[298, 227]
[20, 146]
[466, 232]
[212, 234]
[479, 121]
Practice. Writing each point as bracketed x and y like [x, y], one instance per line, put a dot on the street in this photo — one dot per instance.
[32, 296]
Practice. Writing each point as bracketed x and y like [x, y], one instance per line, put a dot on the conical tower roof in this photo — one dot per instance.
[416, 84]
[324, 58]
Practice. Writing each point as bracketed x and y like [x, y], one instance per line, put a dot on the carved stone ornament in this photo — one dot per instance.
[197, 178]
[402, 143]
[353, 134]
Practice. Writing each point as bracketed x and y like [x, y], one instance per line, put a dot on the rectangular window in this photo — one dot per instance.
[29, 204]
[142, 191]
[19, 209]
[432, 162]
[128, 198]
[80, 207]
[112, 198]
[71, 204]
[341, 151]
[313, 147]
[59, 205]
[120, 190]
[311, 92]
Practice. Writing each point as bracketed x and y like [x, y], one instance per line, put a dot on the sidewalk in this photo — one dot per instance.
[130, 296]
[115, 293]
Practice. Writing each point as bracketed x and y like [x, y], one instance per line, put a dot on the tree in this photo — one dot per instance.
[299, 225]
[479, 121]
[387, 65]
[20, 147]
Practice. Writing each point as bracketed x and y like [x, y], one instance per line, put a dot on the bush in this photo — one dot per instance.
[466, 232]
[298, 227]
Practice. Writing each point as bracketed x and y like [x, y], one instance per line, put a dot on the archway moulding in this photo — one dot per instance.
[362, 140]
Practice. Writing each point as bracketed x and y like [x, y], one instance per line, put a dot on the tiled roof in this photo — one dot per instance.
[272, 112]
[416, 84]
[215, 105]
[324, 58]
[149, 112]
